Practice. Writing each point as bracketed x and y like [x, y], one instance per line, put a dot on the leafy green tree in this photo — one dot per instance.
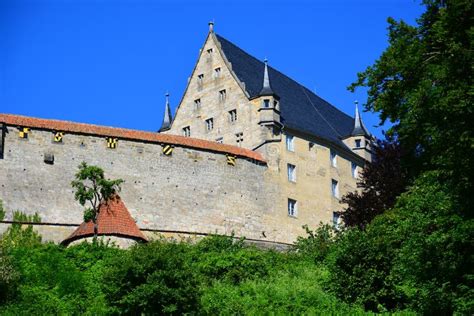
[92, 187]
[423, 83]
[381, 182]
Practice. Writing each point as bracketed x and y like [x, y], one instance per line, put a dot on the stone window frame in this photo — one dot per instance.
[197, 104]
[222, 95]
[336, 220]
[200, 81]
[217, 72]
[290, 143]
[187, 131]
[233, 115]
[291, 168]
[335, 188]
[292, 207]
[209, 124]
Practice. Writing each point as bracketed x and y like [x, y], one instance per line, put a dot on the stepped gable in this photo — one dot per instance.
[122, 133]
[114, 220]
[301, 109]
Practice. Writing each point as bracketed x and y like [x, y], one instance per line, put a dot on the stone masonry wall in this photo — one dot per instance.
[192, 190]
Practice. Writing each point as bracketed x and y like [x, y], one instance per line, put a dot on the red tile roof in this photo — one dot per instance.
[113, 220]
[122, 133]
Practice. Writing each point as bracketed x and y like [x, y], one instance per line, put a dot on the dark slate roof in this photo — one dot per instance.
[301, 109]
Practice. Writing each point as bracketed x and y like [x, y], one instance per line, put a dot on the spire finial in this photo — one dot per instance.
[211, 26]
[166, 125]
[359, 128]
[266, 88]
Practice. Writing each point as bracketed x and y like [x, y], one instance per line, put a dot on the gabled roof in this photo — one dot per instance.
[301, 109]
[114, 220]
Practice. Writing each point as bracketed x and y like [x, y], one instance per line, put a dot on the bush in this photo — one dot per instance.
[317, 244]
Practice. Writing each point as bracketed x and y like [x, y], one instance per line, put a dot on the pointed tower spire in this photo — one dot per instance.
[359, 127]
[166, 125]
[267, 88]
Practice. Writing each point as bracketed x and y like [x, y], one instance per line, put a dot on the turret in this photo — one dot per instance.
[167, 119]
[269, 110]
[360, 140]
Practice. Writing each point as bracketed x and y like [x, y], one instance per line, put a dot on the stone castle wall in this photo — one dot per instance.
[192, 190]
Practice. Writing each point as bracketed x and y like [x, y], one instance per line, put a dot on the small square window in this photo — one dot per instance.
[187, 131]
[333, 158]
[217, 72]
[336, 220]
[291, 173]
[209, 124]
[292, 207]
[222, 95]
[290, 143]
[266, 103]
[357, 143]
[197, 104]
[220, 140]
[335, 188]
[354, 171]
[233, 115]
[239, 138]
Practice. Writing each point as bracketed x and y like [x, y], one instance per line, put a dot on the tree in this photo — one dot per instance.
[423, 84]
[382, 181]
[92, 187]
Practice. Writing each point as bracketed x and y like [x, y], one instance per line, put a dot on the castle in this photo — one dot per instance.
[249, 151]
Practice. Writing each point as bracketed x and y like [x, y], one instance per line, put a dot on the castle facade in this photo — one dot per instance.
[248, 151]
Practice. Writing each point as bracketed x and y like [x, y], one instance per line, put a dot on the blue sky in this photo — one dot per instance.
[110, 62]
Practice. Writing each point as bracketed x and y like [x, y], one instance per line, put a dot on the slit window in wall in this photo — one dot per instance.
[197, 104]
[290, 143]
[233, 116]
[291, 173]
[335, 188]
[292, 207]
[333, 158]
[239, 138]
[209, 124]
[222, 95]
[217, 72]
[357, 143]
[187, 131]
[354, 171]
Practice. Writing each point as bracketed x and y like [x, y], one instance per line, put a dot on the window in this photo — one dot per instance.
[290, 143]
[187, 131]
[200, 80]
[310, 145]
[336, 220]
[197, 104]
[357, 143]
[220, 140]
[209, 124]
[217, 72]
[266, 103]
[209, 51]
[333, 159]
[354, 170]
[233, 115]
[291, 172]
[222, 95]
[335, 188]
[239, 138]
[292, 207]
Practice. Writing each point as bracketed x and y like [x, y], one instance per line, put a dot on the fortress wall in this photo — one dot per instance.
[192, 190]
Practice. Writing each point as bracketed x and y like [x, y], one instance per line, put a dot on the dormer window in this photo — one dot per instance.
[217, 72]
[357, 143]
[266, 103]
[222, 95]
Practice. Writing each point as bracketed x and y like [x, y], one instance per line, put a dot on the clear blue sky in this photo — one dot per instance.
[110, 62]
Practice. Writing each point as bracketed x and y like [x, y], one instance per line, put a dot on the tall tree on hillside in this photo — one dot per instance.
[92, 187]
[423, 84]
[381, 182]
